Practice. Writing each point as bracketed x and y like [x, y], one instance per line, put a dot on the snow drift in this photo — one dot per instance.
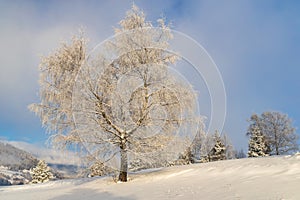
[251, 178]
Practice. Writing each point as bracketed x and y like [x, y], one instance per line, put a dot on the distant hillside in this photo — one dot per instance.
[50, 155]
[15, 163]
[15, 159]
[66, 163]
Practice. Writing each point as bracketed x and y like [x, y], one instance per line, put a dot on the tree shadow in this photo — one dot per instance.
[91, 195]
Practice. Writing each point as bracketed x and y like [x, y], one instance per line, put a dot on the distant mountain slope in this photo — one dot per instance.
[250, 178]
[50, 155]
[15, 159]
[65, 162]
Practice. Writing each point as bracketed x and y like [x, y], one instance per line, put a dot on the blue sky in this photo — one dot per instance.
[255, 45]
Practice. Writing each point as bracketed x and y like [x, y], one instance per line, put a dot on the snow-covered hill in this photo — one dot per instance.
[15, 158]
[52, 156]
[64, 164]
[251, 178]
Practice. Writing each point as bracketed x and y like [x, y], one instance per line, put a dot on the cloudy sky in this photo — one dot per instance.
[255, 45]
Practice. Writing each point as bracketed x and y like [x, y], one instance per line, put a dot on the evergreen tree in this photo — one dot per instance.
[257, 143]
[41, 173]
[186, 158]
[278, 131]
[218, 152]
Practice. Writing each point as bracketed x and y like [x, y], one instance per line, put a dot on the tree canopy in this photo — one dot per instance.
[121, 101]
[277, 128]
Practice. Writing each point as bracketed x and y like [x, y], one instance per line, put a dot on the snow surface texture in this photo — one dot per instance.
[251, 178]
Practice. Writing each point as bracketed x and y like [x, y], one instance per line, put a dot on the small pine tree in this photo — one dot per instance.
[186, 158]
[41, 173]
[218, 152]
[257, 143]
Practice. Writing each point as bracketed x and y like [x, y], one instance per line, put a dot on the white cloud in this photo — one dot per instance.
[243, 37]
[49, 155]
[30, 29]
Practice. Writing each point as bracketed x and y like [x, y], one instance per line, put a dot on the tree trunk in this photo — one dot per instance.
[124, 164]
[276, 143]
[277, 149]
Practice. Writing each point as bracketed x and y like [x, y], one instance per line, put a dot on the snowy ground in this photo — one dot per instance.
[255, 178]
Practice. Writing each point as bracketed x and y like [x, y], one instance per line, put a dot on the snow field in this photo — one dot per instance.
[251, 178]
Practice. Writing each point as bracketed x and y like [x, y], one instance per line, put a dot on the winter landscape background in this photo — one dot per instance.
[254, 45]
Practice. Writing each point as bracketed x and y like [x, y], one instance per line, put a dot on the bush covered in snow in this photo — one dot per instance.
[99, 169]
[8, 177]
[41, 173]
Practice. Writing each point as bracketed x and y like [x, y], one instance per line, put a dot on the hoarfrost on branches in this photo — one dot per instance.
[126, 101]
[58, 72]
[279, 133]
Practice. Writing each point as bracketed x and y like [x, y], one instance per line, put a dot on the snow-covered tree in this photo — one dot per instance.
[185, 158]
[218, 152]
[257, 143]
[202, 145]
[41, 173]
[278, 131]
[125, 101]
[58, 72]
